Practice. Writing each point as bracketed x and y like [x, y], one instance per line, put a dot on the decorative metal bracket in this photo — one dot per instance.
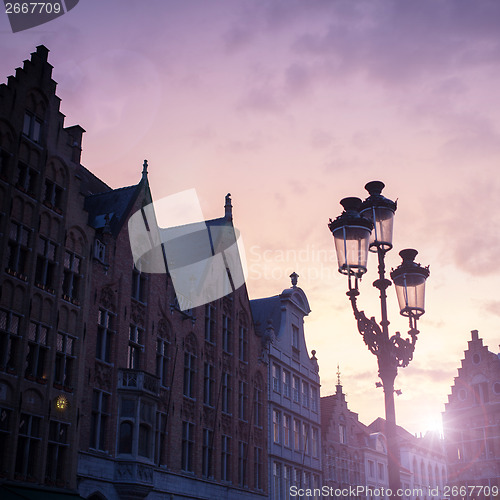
[396, 350]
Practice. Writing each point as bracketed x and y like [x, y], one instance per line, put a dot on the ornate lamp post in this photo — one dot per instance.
[367, 226]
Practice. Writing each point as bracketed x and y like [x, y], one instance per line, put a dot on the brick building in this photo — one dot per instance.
[471, 420]
[107, 387]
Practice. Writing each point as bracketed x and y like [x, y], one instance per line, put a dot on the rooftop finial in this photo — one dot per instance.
[295, 278]
[338, 374]
[145, 169]
[228, 208]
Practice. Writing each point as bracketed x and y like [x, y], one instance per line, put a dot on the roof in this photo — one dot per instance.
[266, 309]
[115, 204]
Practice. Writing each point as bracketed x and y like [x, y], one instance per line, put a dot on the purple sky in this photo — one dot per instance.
[291, 105]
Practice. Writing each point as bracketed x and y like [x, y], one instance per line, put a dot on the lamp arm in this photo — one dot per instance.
[368, 328]
[402, 349]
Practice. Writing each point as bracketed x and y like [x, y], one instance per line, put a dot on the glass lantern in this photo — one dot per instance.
[351, 232]
[409, 280]
[380, 210]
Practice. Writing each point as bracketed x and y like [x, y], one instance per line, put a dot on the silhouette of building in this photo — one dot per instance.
[344, 442]
[293, 393]
[107, 387]
[356, 455]
[471, 421]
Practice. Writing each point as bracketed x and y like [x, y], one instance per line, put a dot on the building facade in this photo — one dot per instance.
[471, 422]
[293, 393]
[344, 440]
[107, 387]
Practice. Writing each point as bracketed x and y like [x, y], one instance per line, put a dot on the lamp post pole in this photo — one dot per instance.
[368, 226]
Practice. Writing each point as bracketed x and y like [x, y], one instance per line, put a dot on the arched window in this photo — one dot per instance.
[126, 437]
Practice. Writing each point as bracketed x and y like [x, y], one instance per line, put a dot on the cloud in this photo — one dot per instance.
[398, 42]
[493, 307]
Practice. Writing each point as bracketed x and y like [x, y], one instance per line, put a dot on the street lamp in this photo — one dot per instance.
[368, 226]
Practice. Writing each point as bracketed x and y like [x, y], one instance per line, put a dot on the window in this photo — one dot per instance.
[57, 451]
[189, 374]
[100, 251]
[287, 429]
[126, 437]
[276, 426]
[286, 383]
[295, 337]
[296, 385]
[257, 468]
[162, 360]
[243, 344]
[65, 359]
[4, 164]
[135, 345]
[53, 195]
[480, 392]
[371, 468]
[209, 385]
[226, 392]
[45, 264]
[5, 431]
[296, 434]
[314, 399]
[137, 418]
[187, 446]
[161, 438]
[257, 399]
[305, 394]
[146, 431]
[17, 260]
[28, 445]
[315, 442]
[9, 340]
[380, 471]
[342, 434]
[305, 439]
[276, 377]
[99, 420]
[227, 334]
[278, 494]
[206, 466]
[225, 472]
[210, 315]
[71, 279]
[242, 463]
[32, 126]
[287, 478]
[105, 333]
[242, 400]
[27, 179]
[138, 286]
[37, 351]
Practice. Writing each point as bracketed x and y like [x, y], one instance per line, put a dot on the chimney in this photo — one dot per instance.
[475, 335]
